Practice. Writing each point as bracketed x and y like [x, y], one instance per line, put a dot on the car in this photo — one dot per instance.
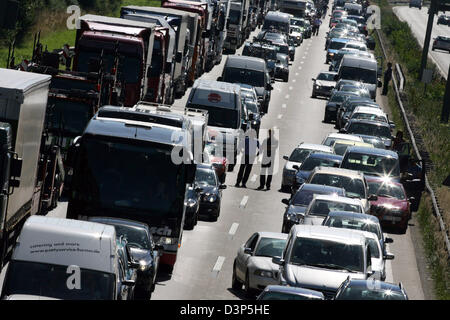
[361, 46]
[361, 23]
[211, 194]
[337, 58]
[254, 115]
[321, 205]
[282, 67]
[444, 19]
[333, 104]
[370, 128]
[441, 43]
[295, 160]
[347, 107]
[353, 289]
[192, 204]
[296, 34]
[416, 4]
[335, 33]
[362, 222]
[373, 114]
[298, 203]
[340, 146]
[216, 155]
[276, 292]
[321, 258]
[357, 90]
[304, 24]
[343, 82]
[352, 181]
[264, 51]
[284, 48]
[377, 142]
[372, 162]
[253, 265]
[391, 207]
[332, 137]
[334, 46]
[316, 159]
[270, 36]
[323, 84]
[291, 44]
[349, 27]
[142, 248]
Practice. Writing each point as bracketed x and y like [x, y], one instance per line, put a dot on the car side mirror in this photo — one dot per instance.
[286, 158]
[388, 240]
[392, 125]
[223, 186]
[313, 79]
[370, 273]
[285, 201]
[373, 197]
[389, 256]
[248, 251]
[269, 87]
[278, 260]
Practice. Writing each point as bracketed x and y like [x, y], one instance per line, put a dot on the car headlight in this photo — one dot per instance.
[263, 273]
[292, 216]
[166, 241]
[331, 54]
[191, 202]
[316, 86]
[211, 198]
[143, 266]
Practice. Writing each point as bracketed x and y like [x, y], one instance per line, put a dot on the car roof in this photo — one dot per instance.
[328, 72]
[354, 216]
[344, 136]
[274, 235]
[245, 62]
[361, 62]
[384, 180]
[205, 166]
[336, 198]
[339, 171]
[353, 143]
[340, 40]
[347, 236]
[373, 151]
[364, 109]
[294, 290]
[318, 147]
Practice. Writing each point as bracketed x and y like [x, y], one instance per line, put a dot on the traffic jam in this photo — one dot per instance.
[126, 130]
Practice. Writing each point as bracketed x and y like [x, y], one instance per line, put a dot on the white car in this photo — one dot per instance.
[356, 45]
[253, 264]
[332, 137]
[298, 155]
[321, 205]
[368, 113]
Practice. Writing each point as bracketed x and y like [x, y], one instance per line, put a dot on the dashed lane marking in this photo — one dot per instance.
[280, 116]
[284, 106]
[287, 96]
[218, 266]
[243, 202]
[233, 229]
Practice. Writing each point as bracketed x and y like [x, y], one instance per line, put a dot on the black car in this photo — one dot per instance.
[192, 204]
[276, 292]
[332, 106]
[444, 19]
[211, 194]
[371, 289]
[348, 106]
[282, 67]
[298, 203]
[142, 249]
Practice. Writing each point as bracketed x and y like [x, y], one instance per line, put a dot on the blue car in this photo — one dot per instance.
[335, 45]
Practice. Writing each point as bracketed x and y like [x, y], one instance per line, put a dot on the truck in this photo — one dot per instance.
[134, 44]
[24, 158]
[185, 36]
[152, 189]
[222, 23]
[235, 28]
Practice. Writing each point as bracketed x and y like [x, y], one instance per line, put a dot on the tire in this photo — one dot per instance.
[235, 283]
[313, 95]
[189, 225]
[286, 79]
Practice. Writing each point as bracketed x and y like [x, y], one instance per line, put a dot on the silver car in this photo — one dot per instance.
[253, 264]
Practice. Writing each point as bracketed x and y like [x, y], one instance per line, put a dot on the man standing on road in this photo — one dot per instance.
[317, 23]
[387, 78]
[268, 149]
[249, 151]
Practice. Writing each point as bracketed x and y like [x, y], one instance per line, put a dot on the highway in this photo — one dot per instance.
[205, 259]
[417, 21]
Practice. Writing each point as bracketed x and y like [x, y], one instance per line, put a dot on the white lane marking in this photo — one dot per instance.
[287, 96]
[290, 88]
[293, 80]
[296, 73]
[302, 62]
[284, 106]
[218, 266]
[233, 229]
[304, 57]
[280, 116]
[243, 202]
[253, 178]
[299, 68]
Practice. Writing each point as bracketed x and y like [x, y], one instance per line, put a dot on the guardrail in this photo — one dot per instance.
[436, 210]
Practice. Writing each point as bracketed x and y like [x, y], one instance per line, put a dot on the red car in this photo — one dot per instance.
[391, 207]
[218, 161]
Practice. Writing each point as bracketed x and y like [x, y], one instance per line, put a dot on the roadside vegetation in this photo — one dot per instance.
[423, 107]
[49, 17]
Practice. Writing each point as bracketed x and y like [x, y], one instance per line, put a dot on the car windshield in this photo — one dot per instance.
[355, 224]
[358, 74]
[326, 76]
[273, 295]
[277, 25]
[336, 45]
[369, 116]
[356, 46]
[366, 293]
[327, 254]
[220, 117]
[136, 237]
[340, 148]
[323, 207]
[50, 280]
[369, 129]
[153, 184]
[388, 190]
[205, 177]
[312, 162]
[234, 16]
[245, 76]
[338, 98]
[299, 155]
[353, 187]
[371, 164]
[68, 116]
[270, 247]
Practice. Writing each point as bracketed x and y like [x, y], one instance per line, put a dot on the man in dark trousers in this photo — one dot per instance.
[387, 78]
[250, 150]
[268, 149]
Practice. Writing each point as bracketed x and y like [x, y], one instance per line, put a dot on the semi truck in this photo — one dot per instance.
[295, 7]
[24, 158]
[235, 27]
[152, 188]
[134, 43]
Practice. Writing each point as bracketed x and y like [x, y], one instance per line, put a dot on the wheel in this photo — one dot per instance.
[286, 79]
[189, 225]
[313, 95]
[196, 219]
[235, 283]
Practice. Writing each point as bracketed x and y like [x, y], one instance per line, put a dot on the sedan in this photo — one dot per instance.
[370, 128]
[142, 249]
[298, 203]
[192, 205]
[353, 289]
[253, 264]
[391, 207]
[282, 67]
[443, 19]
[356, 90]
[211, 194]
[323, 84]
[296, 34]
[276, 292]
[218, 161]
[442, 43]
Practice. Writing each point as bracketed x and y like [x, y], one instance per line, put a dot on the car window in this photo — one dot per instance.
[269, 247]
[373, 245]
[251, 240]
[388, 190]
[299, 155]
[366, 293]
[353, 187]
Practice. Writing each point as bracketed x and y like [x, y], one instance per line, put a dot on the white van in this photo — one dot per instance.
[66, 259]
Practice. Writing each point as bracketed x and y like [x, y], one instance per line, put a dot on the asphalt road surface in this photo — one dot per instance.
[204, 266]
[417, 21]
